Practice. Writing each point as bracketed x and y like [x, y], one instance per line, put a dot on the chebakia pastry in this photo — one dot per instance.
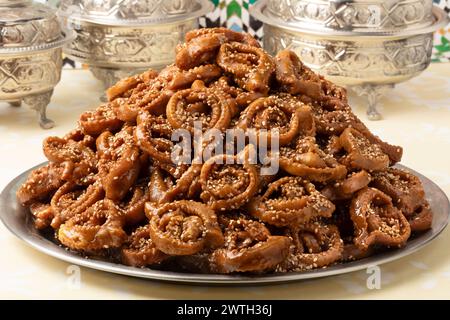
[114, 187]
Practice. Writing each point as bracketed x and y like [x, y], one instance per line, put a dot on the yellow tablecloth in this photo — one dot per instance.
[417, 116]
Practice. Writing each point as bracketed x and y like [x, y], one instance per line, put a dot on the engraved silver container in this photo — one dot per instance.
[366, 45]
[354, 15]
[31, 41]
[117, 38]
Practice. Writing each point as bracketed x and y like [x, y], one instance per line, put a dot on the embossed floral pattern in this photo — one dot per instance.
[234, 14]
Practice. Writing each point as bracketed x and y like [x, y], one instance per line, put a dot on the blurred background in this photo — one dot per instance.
[234, 14]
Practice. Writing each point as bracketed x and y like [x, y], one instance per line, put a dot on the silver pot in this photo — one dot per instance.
[118, 38]
[31, 44]
[354, 15]
[370, 57]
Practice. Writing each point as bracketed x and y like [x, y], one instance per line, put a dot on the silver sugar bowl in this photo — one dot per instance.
[31, 41]
[368, 46]
[117, 38]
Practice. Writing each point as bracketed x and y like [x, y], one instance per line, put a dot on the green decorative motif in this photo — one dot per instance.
[234, 8]
[444, 46]
[441, 49]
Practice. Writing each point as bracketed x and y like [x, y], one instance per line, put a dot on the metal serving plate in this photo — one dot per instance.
[19, 222]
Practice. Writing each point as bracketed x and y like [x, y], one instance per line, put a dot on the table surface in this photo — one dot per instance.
[417, 117]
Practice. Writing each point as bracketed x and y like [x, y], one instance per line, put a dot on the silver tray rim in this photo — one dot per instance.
[17, 220]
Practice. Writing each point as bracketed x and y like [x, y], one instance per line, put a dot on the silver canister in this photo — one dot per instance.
[368, 46]
[31, 41]
[117, 38]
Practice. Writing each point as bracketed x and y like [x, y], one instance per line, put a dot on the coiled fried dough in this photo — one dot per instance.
[99, 227]
[249, 247]
[184, 227]
[377, 221]
[228, 160]
[290, 201]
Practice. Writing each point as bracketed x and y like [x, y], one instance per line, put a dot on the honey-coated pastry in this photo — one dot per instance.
[187, 186]
[101, 119]
[251, 67]
[164, 188]
[405, 189]
[183, 227]
[421, 219]
[99, 227]
[394, 152]
[352, 252]
[377, 221]
[160, 184]
[42, 213]
[183, 79]
[199, 50]
[280, 113]
[61, 150]
[152, 96]
[231, 35]
[361, 154]
[133, 207]
[153, 135]
[334, 119]
[308, 161]
[239, 96]
[227, 182]
[78, 135]
[206, 106]
[159, 176]
[314, 245]
[176, 169]
[125, 85]
[153, 101]
[139, 249]
[344, 190]
[407, 194]
[70, 200]
[117, 178]
[334, 96]
[290, 201]
[295, 77]
[155, 98]
[119, 164]
[41, 183]
[249, 247]
[202, 45]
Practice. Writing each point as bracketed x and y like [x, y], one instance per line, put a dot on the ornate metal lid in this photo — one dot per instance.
[369, 15]
[352, 17]
[133, 12]
[26, 25]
